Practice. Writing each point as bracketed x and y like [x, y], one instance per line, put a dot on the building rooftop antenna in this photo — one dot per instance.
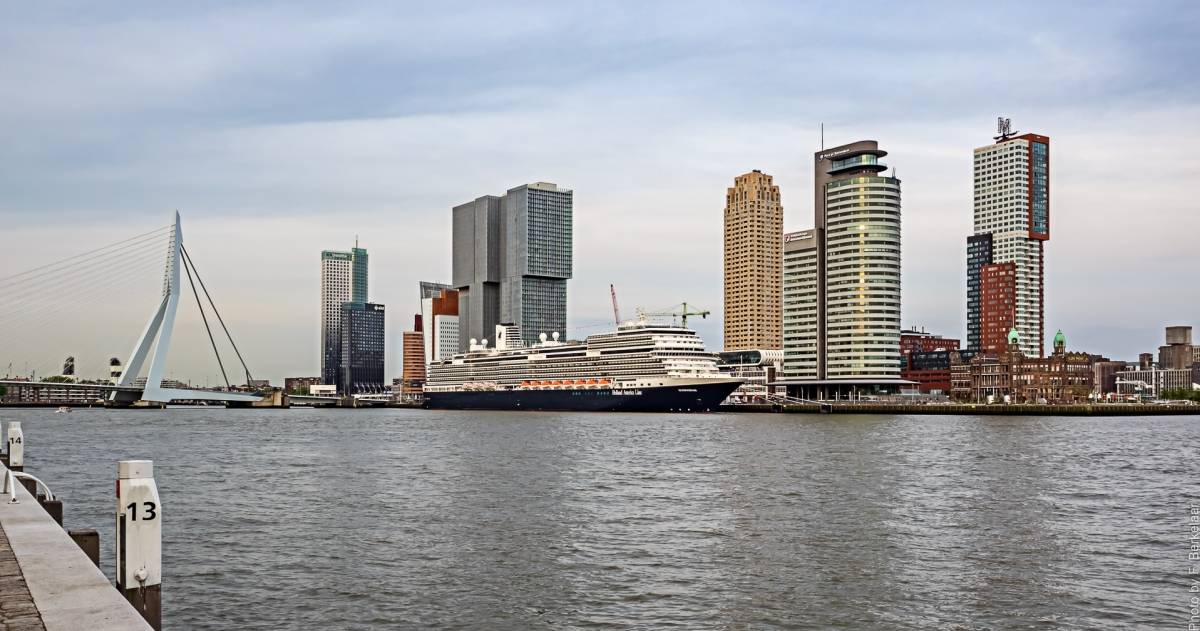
[822, 136]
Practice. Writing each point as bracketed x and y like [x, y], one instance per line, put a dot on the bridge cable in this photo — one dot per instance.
[199, 304]
[114, 258]
[124, 243]
[188, 258]
[83, 284]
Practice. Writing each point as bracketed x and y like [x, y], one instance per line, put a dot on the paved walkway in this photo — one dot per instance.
[17, 611]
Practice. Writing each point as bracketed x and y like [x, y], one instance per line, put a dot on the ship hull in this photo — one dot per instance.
[694, 397]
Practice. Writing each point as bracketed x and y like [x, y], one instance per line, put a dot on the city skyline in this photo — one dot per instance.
[264, 181]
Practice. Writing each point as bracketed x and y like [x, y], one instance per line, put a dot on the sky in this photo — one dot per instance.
[281, 129]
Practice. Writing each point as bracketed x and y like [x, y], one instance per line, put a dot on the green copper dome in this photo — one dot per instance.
[1059, 338]
[1013, 336]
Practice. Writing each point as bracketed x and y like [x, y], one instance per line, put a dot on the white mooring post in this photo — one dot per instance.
[16, 446]
[139, 539]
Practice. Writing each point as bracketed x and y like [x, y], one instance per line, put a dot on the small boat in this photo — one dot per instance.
[62, 409]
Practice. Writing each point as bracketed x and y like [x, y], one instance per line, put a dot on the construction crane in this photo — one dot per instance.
[616, 312]
[681, 311]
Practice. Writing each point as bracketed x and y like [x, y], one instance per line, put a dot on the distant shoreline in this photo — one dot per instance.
[955, 409]
[976, 409]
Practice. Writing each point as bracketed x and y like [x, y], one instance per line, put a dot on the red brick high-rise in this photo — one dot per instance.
[998, 305]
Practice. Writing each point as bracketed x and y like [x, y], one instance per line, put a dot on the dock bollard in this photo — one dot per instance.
[139, 539]
[88, 540]
[16, 446]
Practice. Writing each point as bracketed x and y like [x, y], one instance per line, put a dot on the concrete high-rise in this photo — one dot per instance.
[343, 280]
[753, 263]
[841, 297]
[1012, 217]
[512, 257]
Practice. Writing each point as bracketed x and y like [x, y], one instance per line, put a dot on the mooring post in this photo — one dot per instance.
[88, 540]
[16, 446]
[139, 539]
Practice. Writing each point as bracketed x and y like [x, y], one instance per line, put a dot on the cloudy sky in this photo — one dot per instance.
[278, 130]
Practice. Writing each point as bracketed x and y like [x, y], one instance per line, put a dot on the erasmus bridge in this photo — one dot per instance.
[26, 318]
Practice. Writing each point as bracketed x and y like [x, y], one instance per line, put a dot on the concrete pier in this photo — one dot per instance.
[47, 583]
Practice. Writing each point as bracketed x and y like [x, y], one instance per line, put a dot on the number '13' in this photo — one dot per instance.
[148, 511]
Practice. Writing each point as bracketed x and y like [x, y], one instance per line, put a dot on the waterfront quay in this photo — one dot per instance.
[50, 578]
[960, 409]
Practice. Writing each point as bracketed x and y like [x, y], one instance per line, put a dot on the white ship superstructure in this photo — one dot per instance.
[637, 355]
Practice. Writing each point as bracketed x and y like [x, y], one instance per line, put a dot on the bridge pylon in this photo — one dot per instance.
[159, 327]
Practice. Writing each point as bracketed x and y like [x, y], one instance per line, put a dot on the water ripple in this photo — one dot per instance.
[412, 519]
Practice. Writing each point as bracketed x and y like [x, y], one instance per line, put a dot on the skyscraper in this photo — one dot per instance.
[841, 280]
[800, 310]
[753, 263]
[512, 257]
[358, 275]
[362, 349]
[343, 280]
[1012, 208]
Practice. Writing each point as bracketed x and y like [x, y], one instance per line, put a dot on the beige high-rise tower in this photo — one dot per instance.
[753, 263]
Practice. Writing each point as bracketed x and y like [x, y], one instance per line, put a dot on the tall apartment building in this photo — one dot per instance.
[1012, 215]
[362, 349]
[800, 297]
[343, 280]
[512, 257]
[841, 315]
[439, 317]
[753, 263]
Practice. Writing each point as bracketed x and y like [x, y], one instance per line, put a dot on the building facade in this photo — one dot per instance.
[925, 360]
[439, 317]
[914, 341]
[753, 263]
[800, 311]
[343, 280]
[299, 385]
[1010, 376]
[997, 305]
[1012, 207]
[512, 258]
[856, 296]
[757, 368]
[412, 375]
[979, 254]
[1150, 383]
[1178, 352]
[362, 349]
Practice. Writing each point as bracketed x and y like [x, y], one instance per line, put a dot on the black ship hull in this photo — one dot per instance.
[700, 397]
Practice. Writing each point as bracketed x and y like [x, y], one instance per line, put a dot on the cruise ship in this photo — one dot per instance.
[640, 367]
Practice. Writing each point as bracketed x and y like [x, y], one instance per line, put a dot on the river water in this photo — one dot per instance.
[354, 519]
